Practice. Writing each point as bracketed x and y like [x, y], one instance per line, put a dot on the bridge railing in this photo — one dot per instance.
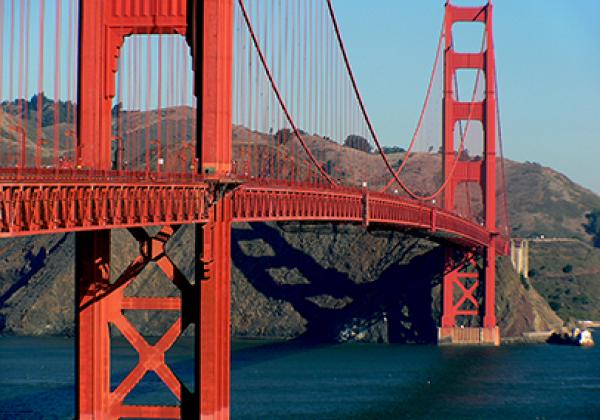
[45, 175]
[64, 207]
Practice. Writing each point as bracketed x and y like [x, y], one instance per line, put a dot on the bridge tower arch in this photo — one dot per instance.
[461, 280]
[205, 302]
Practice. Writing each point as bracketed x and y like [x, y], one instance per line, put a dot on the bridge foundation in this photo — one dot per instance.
[462, 308]
[469, 335]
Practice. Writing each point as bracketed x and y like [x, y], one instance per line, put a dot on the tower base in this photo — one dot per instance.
[489, 336]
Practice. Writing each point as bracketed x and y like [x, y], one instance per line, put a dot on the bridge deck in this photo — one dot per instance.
[69, 200]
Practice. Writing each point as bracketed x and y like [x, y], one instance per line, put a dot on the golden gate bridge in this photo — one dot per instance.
[165, 113]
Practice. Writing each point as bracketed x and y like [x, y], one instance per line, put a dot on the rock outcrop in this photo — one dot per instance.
[313, 281]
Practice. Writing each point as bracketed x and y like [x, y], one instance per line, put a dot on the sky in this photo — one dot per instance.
[548, 60]
[29, 17]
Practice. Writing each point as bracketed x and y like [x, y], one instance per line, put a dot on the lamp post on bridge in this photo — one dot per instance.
[184, 155]
[119, 152]
[159, 158]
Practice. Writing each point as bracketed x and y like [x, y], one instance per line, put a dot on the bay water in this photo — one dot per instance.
[272, 380]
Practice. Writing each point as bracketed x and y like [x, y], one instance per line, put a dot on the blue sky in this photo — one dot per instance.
[548, 58]
[67, 63]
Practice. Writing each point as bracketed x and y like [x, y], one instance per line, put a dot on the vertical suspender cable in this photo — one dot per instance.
[2, 71]
[74, 79]
[70, 77]
[57, 54]
[184, 100]
[121, 113]
[148, 94]
[293, 93]
[139, 91]
[20, 118]
[305, 40]
[265, 99]
[278, 94]
[27, 41]
[169, 113]
[310, 40]
[159, 117]
[258, 92]
[281, 78]
[286, 82]
[11, 76]
[251, 111]
[40, 93]
[128, 140]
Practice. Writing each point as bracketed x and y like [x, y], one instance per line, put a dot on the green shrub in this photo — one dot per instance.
[593, 226]
[582, 300]
[525, 282]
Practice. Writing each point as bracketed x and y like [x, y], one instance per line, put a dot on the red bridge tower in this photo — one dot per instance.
[208, 27]
[462, 279]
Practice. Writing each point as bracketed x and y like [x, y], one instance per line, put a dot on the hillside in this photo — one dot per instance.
[544, 201]
[317, 281]
[567, 275]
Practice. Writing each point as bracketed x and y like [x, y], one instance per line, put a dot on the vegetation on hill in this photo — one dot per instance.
[567, 275]
[28, 109]
[592, 226]
[357, 142]
[546, 202]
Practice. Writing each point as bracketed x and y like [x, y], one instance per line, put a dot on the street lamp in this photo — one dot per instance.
[159, 159]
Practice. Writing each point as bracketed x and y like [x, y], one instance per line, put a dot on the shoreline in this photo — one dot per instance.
[529, 338]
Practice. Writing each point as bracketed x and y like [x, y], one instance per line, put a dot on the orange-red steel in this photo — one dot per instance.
[103, 28]
[104, 25]
[212, 49]
[53, 207]
[101, 303]
[213, 275]
[264, 202]
[483, 172]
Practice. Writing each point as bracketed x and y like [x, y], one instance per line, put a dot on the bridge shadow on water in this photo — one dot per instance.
[402, 294]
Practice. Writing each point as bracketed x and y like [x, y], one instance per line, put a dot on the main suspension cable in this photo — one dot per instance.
[411, 193]
[278, 94]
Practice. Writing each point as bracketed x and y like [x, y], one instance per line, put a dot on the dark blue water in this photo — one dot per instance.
[290, 380]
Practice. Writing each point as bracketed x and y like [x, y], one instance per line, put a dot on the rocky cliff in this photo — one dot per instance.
[315, 281]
